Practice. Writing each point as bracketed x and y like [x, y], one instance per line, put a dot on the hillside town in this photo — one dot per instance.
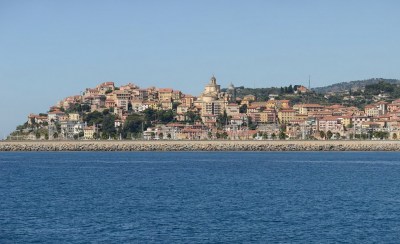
[129, 112]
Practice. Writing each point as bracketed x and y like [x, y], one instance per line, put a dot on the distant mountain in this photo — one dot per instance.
[353, 85]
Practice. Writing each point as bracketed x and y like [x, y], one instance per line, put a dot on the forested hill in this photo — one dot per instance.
[353, 85]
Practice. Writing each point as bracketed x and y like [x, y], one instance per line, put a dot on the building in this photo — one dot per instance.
[286, 115]
[90, 132]
[331, 123]
[212, 101]
[165, 94]
[232, 109]
[307, 108]
[74, 117]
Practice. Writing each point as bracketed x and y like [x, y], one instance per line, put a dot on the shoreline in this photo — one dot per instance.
[221, 145]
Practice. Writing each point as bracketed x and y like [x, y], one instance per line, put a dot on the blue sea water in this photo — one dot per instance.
[199, 197]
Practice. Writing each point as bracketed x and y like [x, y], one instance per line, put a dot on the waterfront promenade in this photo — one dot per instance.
[216, 145]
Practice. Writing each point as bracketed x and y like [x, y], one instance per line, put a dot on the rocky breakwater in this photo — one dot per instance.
[200, 146]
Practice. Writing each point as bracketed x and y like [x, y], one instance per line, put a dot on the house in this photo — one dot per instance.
[255, 117]
[255, 108]
[176, 95]
[307, 108]
[210, 120]
[165, 94]
[357, 121]
[55, 115]
[249, 98]
[37, 119]
[105, 86]
[188, 100]
[110, 103]
[268, 116]
[232, 109]
[286, 115]
[166, 105]
[128, 87]
[239, 119]
[90, 132]
[71, 128]
[301, 90]
[371, 110]
[331, 123]
[74, 117]
[182, 109]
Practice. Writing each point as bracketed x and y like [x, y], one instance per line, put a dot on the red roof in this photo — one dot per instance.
[165, 90]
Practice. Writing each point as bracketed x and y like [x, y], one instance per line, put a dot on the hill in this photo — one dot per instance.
[353, 85]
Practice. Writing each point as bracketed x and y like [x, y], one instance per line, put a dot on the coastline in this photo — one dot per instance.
[199, 146]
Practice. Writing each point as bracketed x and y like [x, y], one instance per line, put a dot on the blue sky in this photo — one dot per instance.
[53, 49]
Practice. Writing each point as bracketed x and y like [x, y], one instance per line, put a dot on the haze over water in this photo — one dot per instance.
[199, 197]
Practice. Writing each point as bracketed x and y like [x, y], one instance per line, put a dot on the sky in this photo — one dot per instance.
[53, 49]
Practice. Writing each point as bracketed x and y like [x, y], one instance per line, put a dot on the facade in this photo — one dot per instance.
[232, 109]
[307, 108]
[89, 132]
[165, 94]
[286, 115]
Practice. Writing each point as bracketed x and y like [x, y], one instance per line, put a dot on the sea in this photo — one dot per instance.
[199, 197]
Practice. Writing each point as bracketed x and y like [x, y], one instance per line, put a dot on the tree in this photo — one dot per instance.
[161, 135]
[33, 121]
[175, 105]
[55, 135]
[93, 118]
[169, 135]
[20, 128]
[282, 135]
[290, 89]
[322, 134]
[251, 125]
[165, 116]
[105, 112]
[85, 108]
[191, 116]
[243, 109]
[273, 136]
[394, 137]
[222, 119]
[108, 126]
[264, 135]
[329, 134]
[37, 135]
[105, 136]
[46, 136]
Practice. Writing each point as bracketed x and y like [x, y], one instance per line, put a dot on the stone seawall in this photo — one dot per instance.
[200, 146]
